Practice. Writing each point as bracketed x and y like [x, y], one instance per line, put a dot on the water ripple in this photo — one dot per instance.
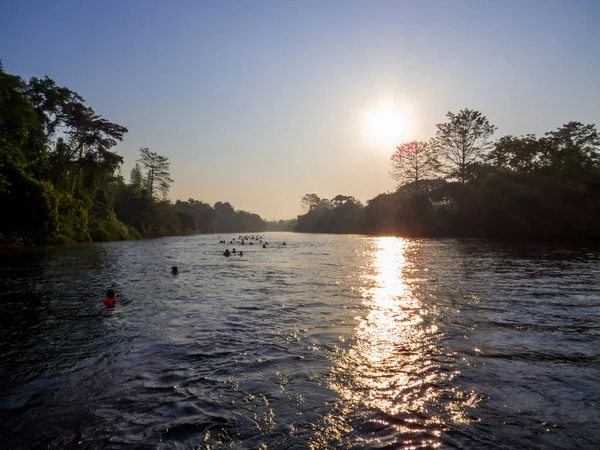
[328, 342]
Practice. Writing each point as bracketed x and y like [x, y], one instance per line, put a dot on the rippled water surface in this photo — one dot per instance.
[327, 342]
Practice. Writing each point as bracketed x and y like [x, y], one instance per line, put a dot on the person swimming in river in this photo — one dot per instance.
[174, 270]
[110, 300]
[227, 253]
[241, 253]
[233, 251]
[264, 246]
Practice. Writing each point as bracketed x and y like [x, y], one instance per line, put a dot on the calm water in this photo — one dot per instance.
[328, 342]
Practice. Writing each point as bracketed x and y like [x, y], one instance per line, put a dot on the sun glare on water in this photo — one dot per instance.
[386, 125]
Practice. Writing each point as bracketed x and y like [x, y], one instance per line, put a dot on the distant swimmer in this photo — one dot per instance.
[110, 300]
[174, 270]
[227, 253]
[264, 246]
[233, 251]
[241, 253]
[284, 243]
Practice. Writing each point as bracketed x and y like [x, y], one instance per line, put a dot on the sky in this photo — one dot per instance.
[260, 102]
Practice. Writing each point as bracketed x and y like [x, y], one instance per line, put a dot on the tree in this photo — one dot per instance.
[521, 154]
[158, 176]
[575, 149]
[341, 200]
[135, 176]
[413, 162]
[203, 213]
[462, 141]
[310, 201]
[92, 137]
[52, 105]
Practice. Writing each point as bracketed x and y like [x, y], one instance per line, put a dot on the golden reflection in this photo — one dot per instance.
[393, 374]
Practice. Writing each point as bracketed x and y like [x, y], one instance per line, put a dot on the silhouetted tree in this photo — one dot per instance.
[158, 176]
[310, 201]
[462, 141]
[135, 176]
[575, 152]
[342, 214]
[521, 154]
[412, 162]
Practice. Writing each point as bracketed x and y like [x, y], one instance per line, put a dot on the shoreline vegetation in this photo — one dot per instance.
[60, 182]
[463, 184]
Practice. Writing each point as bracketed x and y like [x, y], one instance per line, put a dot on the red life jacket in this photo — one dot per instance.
[109, 302]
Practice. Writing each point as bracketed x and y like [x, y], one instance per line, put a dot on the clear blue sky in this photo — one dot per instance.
[260, 102]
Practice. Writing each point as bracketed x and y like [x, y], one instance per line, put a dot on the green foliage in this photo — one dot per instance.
[59, 182]
[108, 229]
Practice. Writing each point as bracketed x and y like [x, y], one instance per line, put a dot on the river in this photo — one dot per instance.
[326, 342]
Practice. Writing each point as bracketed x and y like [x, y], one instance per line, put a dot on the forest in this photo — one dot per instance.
[60, 179]
[463, 183]
[60, 182]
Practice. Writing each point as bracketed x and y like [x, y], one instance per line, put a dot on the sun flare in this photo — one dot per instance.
[386, 125]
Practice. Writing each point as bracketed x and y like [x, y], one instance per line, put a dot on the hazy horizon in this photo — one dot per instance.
[258, 103]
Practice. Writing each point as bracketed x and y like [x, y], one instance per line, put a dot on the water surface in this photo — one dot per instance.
[326, 342]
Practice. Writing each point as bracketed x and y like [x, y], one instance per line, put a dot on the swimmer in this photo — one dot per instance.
[111, 299]
[233, 251]
[264, 246]
[241, 253]
[174, 270]
[226, 253]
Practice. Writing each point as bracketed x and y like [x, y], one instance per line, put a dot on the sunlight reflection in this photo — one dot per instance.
[393, 372]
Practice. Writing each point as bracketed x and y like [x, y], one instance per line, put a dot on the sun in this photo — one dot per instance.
[386, 125]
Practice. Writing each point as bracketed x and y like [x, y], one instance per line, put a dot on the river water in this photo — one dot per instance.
[326, 342]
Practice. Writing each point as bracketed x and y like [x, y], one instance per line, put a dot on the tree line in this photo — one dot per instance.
[462, 183]
[60, 178]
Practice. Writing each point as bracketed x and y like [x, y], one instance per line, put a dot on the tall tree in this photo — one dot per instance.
[462, 141]
[93, 137]
[135, 176]
[412, 162]
[158, 176]
[310, 201]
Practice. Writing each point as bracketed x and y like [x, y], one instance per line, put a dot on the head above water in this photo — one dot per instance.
[174, 269]
[110, 293]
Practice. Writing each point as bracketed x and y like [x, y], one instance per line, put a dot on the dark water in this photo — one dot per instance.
[328, 342]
